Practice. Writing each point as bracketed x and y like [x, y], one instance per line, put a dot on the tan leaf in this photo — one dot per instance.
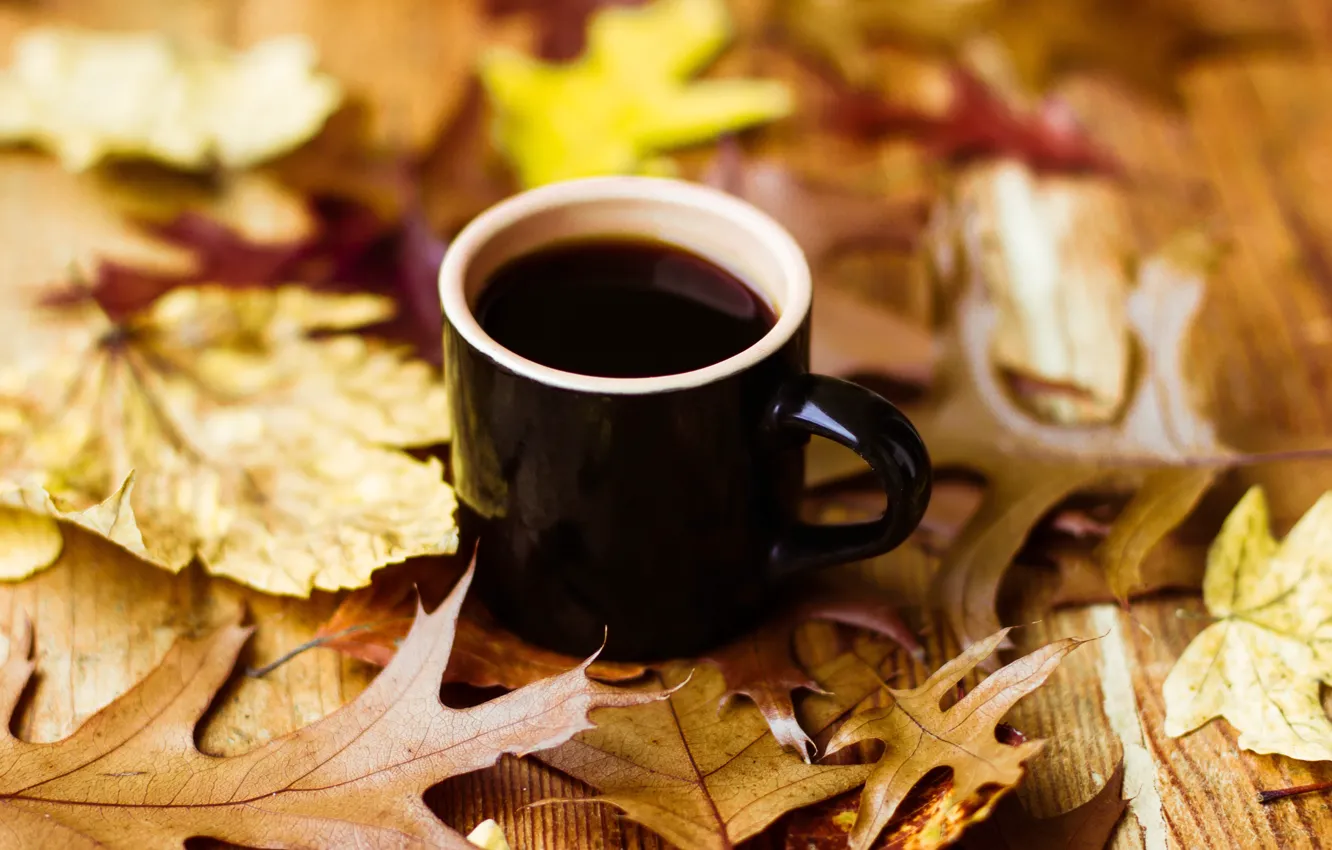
[1030, 465]
[131, 776]
[407, 61]
[268, 453]
[706, 778]
[1259, 666]
[919, 737]
[88, 95]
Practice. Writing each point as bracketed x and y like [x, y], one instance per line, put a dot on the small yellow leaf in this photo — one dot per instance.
[488, 836]
[1259, 666]
[89, 95]
[628, 97]
[236, 427]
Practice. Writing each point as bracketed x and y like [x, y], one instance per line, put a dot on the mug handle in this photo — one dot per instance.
[873, 428]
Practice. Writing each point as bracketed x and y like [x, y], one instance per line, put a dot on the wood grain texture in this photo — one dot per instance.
[1246, 158]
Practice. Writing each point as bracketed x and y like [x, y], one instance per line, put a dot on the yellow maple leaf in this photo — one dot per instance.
[1259, 666]
[88, 95]
[238, 427]
[627, 97]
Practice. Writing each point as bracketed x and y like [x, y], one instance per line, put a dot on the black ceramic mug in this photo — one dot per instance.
[656, 513]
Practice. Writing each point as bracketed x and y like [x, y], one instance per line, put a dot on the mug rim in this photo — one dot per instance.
[683, 195]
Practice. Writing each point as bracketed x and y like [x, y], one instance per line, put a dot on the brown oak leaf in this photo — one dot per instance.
[920, 738]
[760, 666]
[245, 428]
[371, 623]
[1087, 827]
[706, 779]
[132, 777]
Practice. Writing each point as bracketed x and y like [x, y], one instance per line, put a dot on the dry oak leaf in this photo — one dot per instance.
[919, 737]
[131, 776]
[760, 666]
[628, 97]
[407, 62]
[1260, 664]
[706, 778]
[1159, 443]
[88, 95]
[265, 440]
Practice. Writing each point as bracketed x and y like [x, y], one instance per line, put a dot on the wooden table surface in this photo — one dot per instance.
[1252, 148]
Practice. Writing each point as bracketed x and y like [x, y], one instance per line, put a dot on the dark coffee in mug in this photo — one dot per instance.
[620, 308]
[630, 417]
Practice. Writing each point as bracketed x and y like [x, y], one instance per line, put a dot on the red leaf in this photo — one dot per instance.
[979, 124]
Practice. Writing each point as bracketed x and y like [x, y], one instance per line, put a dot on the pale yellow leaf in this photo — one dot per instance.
[271, 455]
[1260, 665]
[88, 95]
[488, 836]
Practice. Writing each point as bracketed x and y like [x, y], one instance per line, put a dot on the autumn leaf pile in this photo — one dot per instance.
[221, 225]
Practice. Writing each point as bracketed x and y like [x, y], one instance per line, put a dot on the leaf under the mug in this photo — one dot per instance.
[371, 623]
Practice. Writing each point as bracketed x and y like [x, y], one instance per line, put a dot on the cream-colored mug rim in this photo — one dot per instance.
[673, 196]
